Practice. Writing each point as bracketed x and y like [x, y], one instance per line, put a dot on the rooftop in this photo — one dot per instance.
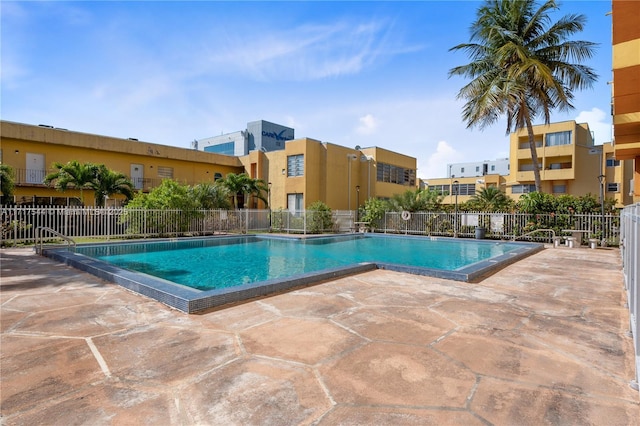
[543, 341]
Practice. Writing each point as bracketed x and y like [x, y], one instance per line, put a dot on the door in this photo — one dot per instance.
[35, 172]
[137, 176]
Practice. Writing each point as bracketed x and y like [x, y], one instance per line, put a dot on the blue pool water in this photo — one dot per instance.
[218, 263]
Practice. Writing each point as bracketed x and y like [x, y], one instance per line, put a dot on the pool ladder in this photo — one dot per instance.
[39, 234]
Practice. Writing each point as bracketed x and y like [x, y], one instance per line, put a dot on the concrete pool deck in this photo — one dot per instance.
[542, 341]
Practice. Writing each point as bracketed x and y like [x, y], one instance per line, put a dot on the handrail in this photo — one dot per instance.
[39, 238]
[553, 233]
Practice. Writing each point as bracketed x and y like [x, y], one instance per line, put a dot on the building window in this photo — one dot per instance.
[465, 189]
[217, 176]
[440, 189]
[613, 187]
[227, 148]
[165, 172]
[558, 138]
[493, 168]
[612, 163]
[477, 168]
[295, 202]
[395, 174]
[461, 169]
[295, 165]
[559, 189]
[523, 189]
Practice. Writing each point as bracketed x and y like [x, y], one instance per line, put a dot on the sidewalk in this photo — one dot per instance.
[542, 341]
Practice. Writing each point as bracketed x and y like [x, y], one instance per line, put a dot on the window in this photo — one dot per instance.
[395, 174]
[440, 189]
[461, 169]
[523, 189]
[613, 187]
[227, 148]
[295, 202]
[217, 176]
[165, 172]
[559, 189]
[295, 165]
[493, 168]
[558, 138]
[477, 168]
[612, 163]
[465, 189]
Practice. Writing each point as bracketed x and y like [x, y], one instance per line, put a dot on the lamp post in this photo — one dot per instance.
[455, 214]
[357, 202]
[269, 202]
[602, 178]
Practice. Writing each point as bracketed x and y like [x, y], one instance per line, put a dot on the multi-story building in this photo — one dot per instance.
[569, 164]
[478, 168]
[302, 172]
[260, 135]
[626, 86]
[565, 158]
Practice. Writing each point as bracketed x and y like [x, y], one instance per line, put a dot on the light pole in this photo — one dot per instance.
[357, 202]
[602, 178]
[269, 202]
[455, 211]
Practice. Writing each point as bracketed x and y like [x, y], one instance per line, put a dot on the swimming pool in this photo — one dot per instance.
[195, 274]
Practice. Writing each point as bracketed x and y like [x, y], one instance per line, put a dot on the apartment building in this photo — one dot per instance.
[626, 86]
[478, 168]
[302, 172]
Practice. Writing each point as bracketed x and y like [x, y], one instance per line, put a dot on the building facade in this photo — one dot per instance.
[626, 86]
[260, 135]
[302, 172]
[479, 168]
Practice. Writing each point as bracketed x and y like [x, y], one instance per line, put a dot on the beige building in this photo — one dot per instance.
[569, 164]
[304, 172]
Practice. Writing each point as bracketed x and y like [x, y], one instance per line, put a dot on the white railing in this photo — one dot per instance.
[630, 251]
[500, 225]
[18, 223]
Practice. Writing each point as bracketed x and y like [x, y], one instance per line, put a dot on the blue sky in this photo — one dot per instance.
[350, 73]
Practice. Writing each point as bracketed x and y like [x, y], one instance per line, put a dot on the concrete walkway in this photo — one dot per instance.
[541, 342]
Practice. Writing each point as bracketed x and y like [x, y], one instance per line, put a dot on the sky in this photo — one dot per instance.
[368, 73]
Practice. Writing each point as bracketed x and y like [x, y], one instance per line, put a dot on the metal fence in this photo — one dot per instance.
[630, 251]
[501, 225]
[18, 223]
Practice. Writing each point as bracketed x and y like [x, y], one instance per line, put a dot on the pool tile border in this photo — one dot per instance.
[191, 300]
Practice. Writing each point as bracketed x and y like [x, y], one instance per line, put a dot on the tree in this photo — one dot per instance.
[72, 175]
[416, 200]
[107, 182]
[242, 184]
[521, 66]
[211, 196]
[489, 199]
[7, 182]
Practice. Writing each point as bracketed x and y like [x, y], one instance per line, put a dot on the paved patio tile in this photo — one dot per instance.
[543, 341]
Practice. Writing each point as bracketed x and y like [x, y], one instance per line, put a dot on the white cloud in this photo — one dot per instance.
[599, 124]
[437, 161]
[368, 125]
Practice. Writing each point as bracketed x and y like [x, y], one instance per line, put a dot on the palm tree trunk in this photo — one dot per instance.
[534, 153]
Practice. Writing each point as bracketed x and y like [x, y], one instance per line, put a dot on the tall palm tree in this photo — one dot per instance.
[521, 66]
[72, 175]
[107, 182]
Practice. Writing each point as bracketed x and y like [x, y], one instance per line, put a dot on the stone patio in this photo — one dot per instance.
[543, 341]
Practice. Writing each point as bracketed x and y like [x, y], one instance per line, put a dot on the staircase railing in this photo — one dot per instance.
[39, 238]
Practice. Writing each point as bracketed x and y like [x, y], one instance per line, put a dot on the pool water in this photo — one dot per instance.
[227, 262]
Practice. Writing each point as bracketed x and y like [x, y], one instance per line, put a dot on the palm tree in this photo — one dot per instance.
[107, 182]
[490, 199]
[211, 196]
[416, 200]
[521, 66]
[243, 184]
[72, 175]
[7, 182]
